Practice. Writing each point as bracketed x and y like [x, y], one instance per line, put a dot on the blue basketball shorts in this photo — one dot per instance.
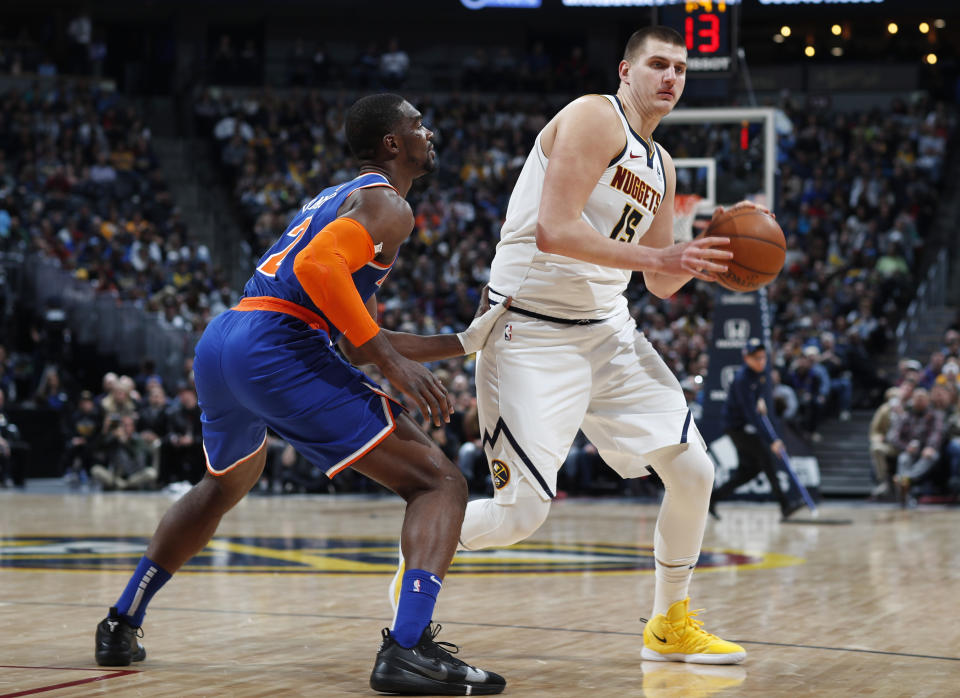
[259, 369]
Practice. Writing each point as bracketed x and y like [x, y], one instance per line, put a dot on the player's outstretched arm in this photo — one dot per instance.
[434, 347]
[582, 140]
[373, 219]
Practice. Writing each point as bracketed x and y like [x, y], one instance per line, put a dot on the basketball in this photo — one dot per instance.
[758, 247]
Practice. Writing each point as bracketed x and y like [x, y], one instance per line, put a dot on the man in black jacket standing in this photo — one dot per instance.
[747, 400]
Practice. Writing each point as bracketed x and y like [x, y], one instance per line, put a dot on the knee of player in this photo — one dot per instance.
[437, 475]
[220, 492]
[527, 515]
[457, 485]
[691, 470]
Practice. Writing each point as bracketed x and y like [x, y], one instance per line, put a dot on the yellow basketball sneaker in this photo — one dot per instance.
[678, 637]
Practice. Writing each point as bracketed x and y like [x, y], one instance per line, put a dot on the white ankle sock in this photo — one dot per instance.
[672, 586]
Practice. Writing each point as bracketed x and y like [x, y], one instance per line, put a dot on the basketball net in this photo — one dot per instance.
[684, 213]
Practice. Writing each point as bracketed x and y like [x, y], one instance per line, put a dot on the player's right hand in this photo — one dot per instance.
[421, 386]
[699, 258]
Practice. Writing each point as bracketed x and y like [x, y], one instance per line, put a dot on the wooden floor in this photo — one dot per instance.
[290, 599]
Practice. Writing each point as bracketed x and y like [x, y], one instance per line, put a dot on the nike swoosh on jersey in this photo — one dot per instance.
[635, 156]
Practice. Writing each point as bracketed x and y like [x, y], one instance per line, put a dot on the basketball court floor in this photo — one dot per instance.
[290, 597]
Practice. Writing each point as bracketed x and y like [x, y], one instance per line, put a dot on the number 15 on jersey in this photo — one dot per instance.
[626, 227]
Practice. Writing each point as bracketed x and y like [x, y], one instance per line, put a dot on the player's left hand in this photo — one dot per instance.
[475, 336]
[720, 210]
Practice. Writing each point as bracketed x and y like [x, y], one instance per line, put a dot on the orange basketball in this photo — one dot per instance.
[758, 247]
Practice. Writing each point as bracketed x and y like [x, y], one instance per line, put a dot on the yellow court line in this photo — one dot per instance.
[326, 560]
[323, 562]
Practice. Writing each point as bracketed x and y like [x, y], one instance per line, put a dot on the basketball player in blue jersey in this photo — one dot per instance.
[270, 362]
[592, 204]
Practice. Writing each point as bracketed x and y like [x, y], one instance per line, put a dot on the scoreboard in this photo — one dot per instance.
[709, 28]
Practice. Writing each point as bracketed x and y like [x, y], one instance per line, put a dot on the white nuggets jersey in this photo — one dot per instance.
[621, 206]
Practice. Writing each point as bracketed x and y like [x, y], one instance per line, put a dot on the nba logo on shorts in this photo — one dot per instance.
[508, 332]
[416, 585]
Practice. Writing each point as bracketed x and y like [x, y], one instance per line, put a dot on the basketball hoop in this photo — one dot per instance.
[684, 212]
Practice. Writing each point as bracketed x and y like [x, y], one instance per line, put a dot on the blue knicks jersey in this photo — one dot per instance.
[274, 275]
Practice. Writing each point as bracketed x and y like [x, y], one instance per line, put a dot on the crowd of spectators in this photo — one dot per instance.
[915, 432]
[856, 193]
[133, 435]
[856, 198]
[81, 185]
[79, 48]
[388, 65]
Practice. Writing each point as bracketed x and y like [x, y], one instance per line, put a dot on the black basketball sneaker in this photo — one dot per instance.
[117, 643]
[429, 668]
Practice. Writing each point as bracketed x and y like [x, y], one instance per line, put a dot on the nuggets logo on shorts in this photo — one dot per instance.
[501, 474]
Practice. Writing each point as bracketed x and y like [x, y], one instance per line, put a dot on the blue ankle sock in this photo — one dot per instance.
[144, 583]
[418, 594]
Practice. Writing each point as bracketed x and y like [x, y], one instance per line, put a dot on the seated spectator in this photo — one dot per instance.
[9, 441]
[121, 400]
[152, 422]
[182, 455]
[147, 376]
[394, 65]
[107, 384]
[470, 456]
[882, 451]
[834, 361]
[126, 458]
[932, 370]
[811, 394]
[953, 451]
[868, 384]
[916, 438]
[785, 403]
[50, 393]
[286, 471]
[83, 429]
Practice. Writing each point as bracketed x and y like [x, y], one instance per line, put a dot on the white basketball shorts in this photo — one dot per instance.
[538, 382]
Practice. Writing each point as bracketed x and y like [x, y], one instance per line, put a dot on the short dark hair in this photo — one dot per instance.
[368, 120]
[639, 37]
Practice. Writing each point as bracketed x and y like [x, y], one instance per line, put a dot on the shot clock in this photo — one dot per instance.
[709, 28]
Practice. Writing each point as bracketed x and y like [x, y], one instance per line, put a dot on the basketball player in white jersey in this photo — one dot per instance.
[594, 203]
